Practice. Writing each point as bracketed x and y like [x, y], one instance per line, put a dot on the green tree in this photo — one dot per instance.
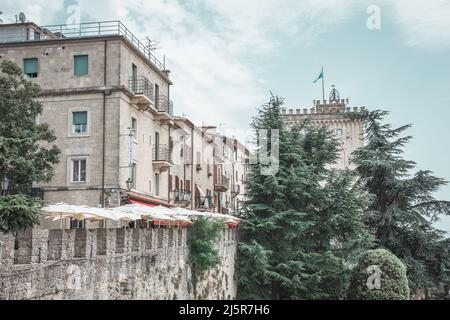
[304, 223]
[391, 273]
[26, 153]
[404, 203]
[202, 240]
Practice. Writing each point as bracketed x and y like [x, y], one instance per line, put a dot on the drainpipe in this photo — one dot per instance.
[104, 127]
[192, 170]
[168, 171]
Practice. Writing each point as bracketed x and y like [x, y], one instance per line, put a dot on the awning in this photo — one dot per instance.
[200, 190]
[142, 203]
[144, 199]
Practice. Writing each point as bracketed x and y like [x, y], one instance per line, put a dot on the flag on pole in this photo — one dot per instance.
[319, 77]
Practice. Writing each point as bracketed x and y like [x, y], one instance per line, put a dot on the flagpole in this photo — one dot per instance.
[323, 86]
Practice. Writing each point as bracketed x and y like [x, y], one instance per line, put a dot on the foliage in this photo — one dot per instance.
[304, 223]
[18, 213]
[404, 203]
[203, 254]
[393, 280]
[24, 156]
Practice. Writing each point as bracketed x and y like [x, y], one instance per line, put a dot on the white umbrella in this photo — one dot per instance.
[151, 212]
[187, 212]
[60, 211]
[126, 213]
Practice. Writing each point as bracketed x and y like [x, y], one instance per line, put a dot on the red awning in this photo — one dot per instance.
[142, 199]
[142, 203]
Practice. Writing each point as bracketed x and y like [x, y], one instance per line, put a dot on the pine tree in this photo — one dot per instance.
[304, 224]
[404, 203]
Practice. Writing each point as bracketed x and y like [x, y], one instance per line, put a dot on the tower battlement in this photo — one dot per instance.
[322, 108]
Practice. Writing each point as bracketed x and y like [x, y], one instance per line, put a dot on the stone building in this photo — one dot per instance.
[108, 99]
[333, 114]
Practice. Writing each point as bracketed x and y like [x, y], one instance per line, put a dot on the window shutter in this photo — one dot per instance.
[81, 65]
[188, 185]
[30, 65]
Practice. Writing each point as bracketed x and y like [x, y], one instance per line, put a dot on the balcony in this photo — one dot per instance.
[203, 203]
[221, 183]
[162, 158]
[235, 189]
[142, 90]
[164, 105]
[181, 197]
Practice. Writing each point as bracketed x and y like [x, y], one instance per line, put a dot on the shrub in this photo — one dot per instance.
[393, 284]
[18, 212]
[202, 238]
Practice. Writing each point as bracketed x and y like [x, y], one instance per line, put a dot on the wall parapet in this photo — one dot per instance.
[114, 263]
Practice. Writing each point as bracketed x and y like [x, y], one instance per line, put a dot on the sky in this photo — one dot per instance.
[226, 57]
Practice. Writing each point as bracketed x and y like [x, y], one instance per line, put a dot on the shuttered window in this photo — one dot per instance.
[81, 65]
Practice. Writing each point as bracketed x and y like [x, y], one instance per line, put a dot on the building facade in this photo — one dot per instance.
[333, 114]
[107, 97]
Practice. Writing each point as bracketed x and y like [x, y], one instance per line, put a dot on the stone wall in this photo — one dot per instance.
[110, 264]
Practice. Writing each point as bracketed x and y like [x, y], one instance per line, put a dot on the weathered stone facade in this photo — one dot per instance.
[111, 264]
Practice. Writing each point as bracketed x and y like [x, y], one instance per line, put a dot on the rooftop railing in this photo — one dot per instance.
[81, 30]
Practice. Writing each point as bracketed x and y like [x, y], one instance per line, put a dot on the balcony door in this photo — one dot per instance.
[156, 96]
[156, 146]
[133, 77]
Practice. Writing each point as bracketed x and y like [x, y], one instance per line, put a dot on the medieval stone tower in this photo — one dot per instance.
[332, 113]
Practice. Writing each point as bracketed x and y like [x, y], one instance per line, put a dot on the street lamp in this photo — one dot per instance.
[129, 184]
[4, 184]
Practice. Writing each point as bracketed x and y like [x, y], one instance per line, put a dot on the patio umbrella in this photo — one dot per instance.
[63, 210]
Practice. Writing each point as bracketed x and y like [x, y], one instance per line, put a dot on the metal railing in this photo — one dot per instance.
[235, 188]
[82, 30]
[164, 104]
[181, 195]
[141, 85]
[222, 181]
[162, 153]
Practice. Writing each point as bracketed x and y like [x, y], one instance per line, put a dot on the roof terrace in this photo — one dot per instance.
[24, 32]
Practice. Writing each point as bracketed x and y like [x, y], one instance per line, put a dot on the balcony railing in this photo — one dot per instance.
[83, 30]
[181, 196]
[235, 189]
[141, 86]
[164, 104]
[222, 183]
[162, 153]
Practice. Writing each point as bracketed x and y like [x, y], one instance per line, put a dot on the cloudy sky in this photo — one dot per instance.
[226, 56]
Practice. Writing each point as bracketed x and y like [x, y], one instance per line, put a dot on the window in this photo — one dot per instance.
[157, 184]
[133, 176]
[79, 122]
[156, 95]
[134, 126]
[79, 170]
[80, 64]
[339, 132]
[133, 77]
[30, 67]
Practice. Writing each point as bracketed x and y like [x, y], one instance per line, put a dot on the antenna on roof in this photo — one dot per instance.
[22, 17]
[151, 45]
